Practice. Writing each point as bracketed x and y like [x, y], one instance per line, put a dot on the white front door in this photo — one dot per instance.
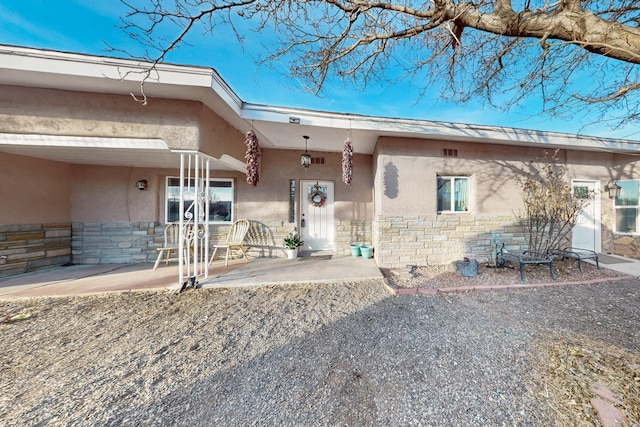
[586, 231]
[316, 212]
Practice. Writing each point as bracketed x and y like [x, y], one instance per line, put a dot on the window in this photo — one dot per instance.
[453, 194]
[626, 207]
[220, 199]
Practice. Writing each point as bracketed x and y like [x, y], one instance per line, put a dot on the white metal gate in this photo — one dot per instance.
[194, 225]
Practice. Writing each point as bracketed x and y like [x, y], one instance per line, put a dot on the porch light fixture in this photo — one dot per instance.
[305, 158]
[141, 185]
[613, 189]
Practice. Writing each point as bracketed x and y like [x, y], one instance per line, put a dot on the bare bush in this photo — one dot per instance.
[550, 207]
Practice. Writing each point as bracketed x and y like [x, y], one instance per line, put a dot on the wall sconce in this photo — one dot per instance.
[141, 185]
[305, 158]
[613, 189]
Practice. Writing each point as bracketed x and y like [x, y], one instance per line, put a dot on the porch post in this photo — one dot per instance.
[194, 216]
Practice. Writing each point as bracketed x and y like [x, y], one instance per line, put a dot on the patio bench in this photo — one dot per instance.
[577, 254]
[525, 258]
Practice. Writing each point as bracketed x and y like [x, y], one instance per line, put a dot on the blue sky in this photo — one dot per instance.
[85, 26]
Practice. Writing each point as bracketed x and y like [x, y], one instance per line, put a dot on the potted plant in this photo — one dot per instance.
[291, 244]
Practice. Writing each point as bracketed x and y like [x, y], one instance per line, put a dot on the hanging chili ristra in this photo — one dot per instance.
[252, 154]
[347, 162]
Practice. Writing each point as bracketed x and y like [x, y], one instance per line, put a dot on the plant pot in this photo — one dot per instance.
[366, 251]
[291, 253]
[355, 250]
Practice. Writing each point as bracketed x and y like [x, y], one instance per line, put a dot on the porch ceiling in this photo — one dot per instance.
[127, 152]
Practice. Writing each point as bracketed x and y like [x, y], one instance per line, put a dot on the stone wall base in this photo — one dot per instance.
[442, 239]
[25, 248]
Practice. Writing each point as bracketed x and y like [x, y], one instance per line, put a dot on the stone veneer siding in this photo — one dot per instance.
[626, 245]
[125, 242]
[348, 232]
[115, 242]
[441, 239]
[25, 248]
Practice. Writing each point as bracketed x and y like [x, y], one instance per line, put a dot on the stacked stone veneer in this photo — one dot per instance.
[628, 246]
[441, 239]
[116, 242]
[125, 242]
[25, 248]
[348, 232]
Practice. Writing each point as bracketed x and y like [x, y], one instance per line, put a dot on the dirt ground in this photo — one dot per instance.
[340, 354]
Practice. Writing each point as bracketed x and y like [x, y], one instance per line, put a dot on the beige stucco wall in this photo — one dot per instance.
[112, 218]
[407, 170]
[34, 190]
[109, 194]
[408, 229]
[35, 214]
[185, 125]
[271, 196]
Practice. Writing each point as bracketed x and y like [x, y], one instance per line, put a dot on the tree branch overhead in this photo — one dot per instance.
[505, 53]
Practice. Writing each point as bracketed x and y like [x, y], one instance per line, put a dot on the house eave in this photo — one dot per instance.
[276, 127]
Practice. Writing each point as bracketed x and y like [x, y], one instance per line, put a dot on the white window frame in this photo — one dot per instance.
[617, 208]
[452, 179]
[212, 189]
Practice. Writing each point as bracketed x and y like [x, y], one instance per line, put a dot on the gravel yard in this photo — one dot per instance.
[307, 355]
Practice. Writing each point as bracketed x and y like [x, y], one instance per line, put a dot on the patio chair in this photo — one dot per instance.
[171, 244]
[235, 240]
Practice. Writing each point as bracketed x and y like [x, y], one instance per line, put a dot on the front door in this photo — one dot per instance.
[316, 214]
[586, 231]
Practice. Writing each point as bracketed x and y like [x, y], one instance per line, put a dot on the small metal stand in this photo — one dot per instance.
[190, 282]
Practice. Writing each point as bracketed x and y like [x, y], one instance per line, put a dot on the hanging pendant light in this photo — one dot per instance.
[305, 158]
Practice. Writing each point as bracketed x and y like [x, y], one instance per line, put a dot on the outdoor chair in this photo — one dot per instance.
[171, 244]
[234, 240]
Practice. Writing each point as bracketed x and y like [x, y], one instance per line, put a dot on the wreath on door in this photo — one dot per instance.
[317, 197]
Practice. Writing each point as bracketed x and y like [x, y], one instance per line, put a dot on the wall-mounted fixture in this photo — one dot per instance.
[141, 185]
[305, 158]
[613, 188]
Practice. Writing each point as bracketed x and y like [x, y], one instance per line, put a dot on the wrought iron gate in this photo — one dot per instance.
[194, 225]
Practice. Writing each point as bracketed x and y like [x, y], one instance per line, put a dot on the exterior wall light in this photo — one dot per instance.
[141, 185]
[613, 188]
[305, 158]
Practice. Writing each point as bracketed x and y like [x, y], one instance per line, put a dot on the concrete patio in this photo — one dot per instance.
[92, 279]
[316, 268]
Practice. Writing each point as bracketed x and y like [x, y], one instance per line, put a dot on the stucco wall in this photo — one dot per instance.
[113, 221]
[185, 125]
[34, 190]
[407, 171]
[408, 230]
[35, 213]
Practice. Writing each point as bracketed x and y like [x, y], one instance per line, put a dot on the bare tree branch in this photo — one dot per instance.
[547, 47]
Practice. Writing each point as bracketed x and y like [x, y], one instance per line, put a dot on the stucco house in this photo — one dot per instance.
[89, 175]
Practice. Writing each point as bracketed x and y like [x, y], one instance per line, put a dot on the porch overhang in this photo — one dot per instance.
[103, 151]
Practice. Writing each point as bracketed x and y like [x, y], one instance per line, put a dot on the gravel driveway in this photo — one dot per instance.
[304, 355]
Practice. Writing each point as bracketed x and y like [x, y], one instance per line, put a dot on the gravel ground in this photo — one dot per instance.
[304, 355]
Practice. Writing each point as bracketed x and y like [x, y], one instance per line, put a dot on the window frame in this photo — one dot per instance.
[212, 188]
[620, 207]
[452, 179]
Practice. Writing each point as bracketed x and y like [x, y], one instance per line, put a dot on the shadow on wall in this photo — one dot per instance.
[390, 180]
[260, 238]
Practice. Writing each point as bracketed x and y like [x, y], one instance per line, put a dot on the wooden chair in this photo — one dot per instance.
[171, 243]
[235, 240]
